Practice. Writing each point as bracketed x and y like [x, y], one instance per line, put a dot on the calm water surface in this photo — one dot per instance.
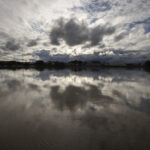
[64, 110]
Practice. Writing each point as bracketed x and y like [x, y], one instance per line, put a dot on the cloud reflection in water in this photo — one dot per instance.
[108, 109]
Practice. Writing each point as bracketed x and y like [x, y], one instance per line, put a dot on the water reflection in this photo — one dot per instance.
[100, 110]
[73, 97]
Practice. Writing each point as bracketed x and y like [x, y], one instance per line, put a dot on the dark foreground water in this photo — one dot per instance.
[64, 110]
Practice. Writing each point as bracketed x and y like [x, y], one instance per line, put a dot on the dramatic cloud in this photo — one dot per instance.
[11, 45]
[74, 32]
[102, 27]
[119, 37]
[46, 56]
[107, 56]
[32, 43]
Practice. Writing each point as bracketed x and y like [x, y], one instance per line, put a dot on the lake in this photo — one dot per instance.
[106, 109]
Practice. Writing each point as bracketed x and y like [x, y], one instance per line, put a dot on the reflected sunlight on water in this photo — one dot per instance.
[99, 110]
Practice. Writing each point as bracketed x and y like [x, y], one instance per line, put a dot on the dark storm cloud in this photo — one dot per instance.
[74, 32]
[11, 45]
[3, 35]
[32, 43]
[43, 55]
[97, 34]
[119, 37]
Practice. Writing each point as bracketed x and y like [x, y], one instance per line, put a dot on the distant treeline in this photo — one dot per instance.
[40, 65]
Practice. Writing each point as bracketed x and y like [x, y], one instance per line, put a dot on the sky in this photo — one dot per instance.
[112, 31]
